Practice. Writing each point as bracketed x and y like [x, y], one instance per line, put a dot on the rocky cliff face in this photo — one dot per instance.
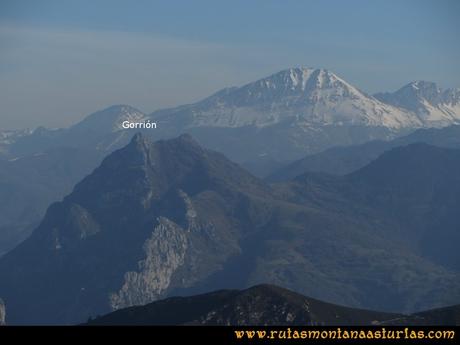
[2, 312]
[164, 252]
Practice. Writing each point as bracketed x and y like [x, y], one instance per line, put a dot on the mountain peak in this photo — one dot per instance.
[296, 77]
[294, 81]
[433, 105]
[110, 119]
[138, 137]
[145, 168]
[302, 79]
[187, 138]
[120, 108]
[184, 143]
[422, 85]
[422, 89]
[303, 96]
[140, 142]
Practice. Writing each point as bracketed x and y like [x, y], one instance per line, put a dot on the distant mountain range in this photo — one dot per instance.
[342, 160]
[307, 110]
[170, 217]
[263, 126]
[265, 305]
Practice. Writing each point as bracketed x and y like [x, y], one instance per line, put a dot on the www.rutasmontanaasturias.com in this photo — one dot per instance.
[345, 333]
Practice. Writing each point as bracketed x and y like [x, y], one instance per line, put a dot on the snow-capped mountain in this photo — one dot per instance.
[110, 119]
[434, 106]
[285, 116]
[304, 96]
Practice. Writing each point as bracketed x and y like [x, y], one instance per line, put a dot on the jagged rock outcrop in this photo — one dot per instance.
[2, 312]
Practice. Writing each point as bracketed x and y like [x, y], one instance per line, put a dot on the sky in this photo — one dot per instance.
[61, 60]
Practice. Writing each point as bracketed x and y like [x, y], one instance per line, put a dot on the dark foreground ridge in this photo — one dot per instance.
[265, 305]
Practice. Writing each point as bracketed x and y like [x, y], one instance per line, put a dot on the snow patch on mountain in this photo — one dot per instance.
[10, 136]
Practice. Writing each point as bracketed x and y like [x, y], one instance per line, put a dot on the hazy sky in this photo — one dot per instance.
[61, 60]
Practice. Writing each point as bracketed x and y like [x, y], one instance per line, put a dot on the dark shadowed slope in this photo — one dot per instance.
[264, 305]
[42, 166]
[258, 305]
[414, 189]
[30, 183]
[448, 316]
[346, 159]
